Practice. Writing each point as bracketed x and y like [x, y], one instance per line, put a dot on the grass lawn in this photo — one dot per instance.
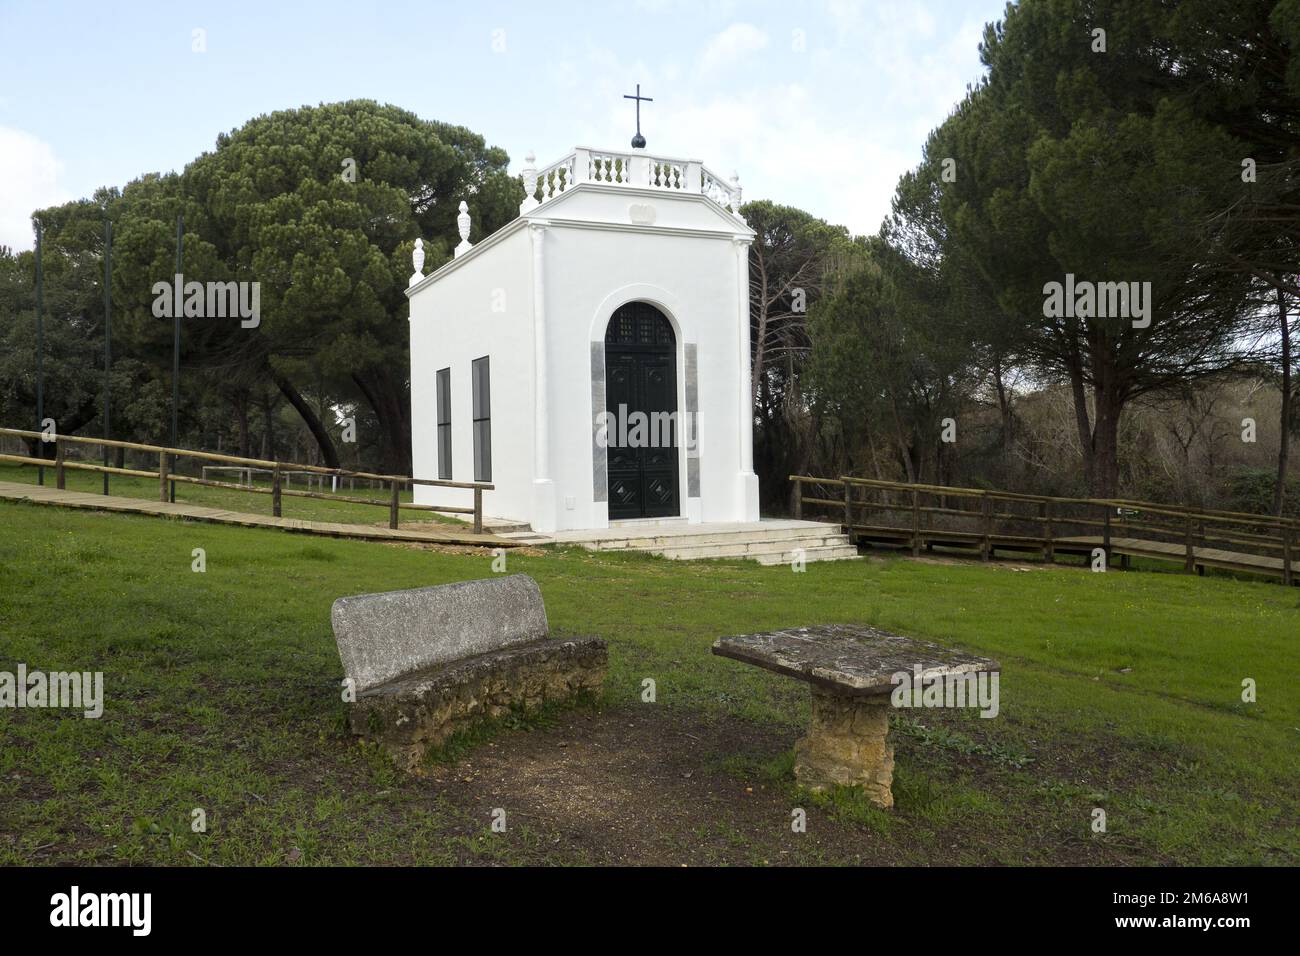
[309, 509]
[1119, 691]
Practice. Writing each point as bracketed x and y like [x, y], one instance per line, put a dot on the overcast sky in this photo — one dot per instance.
[821, 105]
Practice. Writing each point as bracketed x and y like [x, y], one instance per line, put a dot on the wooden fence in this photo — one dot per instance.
[167, 474]
[927, 516]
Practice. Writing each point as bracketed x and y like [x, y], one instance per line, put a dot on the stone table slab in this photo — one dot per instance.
[848, 659]
[850, 670]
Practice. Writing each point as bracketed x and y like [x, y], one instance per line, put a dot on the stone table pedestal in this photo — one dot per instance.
[847, 745]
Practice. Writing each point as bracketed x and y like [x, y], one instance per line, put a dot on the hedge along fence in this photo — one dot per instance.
[167, 474]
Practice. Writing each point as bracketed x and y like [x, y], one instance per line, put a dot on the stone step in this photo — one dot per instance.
[739, 537]
[781, 556]
[838, 553]
[635, 523]
[526, 537]
[746, 548]
[509, 527]
[503, 527]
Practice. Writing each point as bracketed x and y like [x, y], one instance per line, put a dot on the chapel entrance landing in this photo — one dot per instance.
[641, 402]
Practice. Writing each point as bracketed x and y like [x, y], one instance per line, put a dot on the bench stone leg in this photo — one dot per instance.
[848, 744]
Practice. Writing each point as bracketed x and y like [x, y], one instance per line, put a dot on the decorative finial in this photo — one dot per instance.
[638, 141]
[530, 184]
[736, 195]
[462, 223]
[417, 260]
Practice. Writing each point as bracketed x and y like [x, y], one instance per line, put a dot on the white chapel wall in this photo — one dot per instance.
[693, 280]
[483, 306]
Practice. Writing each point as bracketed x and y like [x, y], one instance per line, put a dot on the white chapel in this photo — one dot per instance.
[591, 359]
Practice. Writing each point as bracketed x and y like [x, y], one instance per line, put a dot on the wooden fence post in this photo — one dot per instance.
[1286, 555]
[848, 507]
[916, 525]
[986, 511]
[1105, 537]
[1049, 544]
[798, 499]
[392, 504]
[58, 463]
[275, 491]
[162, 476]
[1190, 565]
[478, 510]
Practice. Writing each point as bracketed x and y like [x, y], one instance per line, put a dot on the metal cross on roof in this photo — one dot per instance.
[638, 141]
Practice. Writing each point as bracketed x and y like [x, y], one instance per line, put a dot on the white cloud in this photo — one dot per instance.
[732, 45]
[29, 175]
[785, 153]
[829, 131]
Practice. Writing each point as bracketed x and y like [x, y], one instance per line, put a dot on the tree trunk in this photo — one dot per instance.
[1284, 437]
[1004, 406]
[241, 417]
[1081, 417]
[268, 416]
[905, 450]
[1105, 448]
[323, 441]
[1101, 441]
[65, 425]
[392, 408]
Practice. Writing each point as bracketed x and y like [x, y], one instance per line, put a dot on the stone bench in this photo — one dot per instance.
[850, 669]
[426, 662]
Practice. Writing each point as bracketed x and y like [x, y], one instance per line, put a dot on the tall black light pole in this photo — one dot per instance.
[176, 344]
[40, 353]
[108, 335]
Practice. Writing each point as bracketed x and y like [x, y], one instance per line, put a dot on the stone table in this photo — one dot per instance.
[850, 669]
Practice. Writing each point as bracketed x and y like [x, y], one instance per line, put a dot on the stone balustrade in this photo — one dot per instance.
[634, 169]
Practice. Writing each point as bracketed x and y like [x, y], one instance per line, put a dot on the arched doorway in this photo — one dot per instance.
[641, 402]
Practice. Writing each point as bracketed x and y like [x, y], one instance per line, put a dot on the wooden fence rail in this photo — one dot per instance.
[920, 516]
[167, 474]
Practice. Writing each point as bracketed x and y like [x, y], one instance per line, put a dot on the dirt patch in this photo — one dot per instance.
[653, 786]
[645, 786]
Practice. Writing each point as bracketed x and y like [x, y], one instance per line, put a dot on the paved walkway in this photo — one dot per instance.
[48, 495]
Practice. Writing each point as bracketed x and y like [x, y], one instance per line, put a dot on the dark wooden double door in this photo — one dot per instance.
[641, 376]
